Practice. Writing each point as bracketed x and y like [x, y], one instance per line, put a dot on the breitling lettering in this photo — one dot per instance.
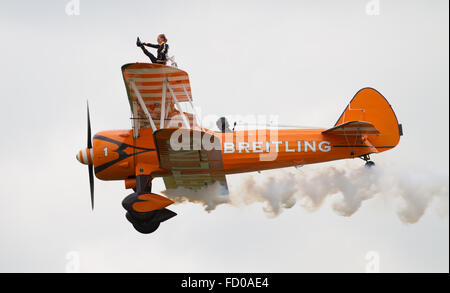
[277, 146]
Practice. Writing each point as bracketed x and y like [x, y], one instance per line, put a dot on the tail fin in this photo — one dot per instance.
[368, 105]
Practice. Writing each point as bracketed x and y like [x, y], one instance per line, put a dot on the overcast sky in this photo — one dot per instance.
[301, 60]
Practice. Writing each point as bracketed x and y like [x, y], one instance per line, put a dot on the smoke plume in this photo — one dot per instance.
[209, 196]
[412, 191]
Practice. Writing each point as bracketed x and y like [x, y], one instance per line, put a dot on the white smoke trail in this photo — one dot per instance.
[414, 190]
[310, 189]
[210, 196]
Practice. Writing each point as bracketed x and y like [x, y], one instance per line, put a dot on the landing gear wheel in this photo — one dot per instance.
[146, 228]
[370, 164]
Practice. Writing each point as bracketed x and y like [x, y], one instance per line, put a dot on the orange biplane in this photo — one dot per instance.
[167, 142]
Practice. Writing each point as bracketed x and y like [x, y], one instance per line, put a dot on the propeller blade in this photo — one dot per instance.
[91, 184]
[90, 167]
[89, 142]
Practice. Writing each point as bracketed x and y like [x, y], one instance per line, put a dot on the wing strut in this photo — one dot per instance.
[136, 122]
[178, 105]
[192, 106]
[141, 102]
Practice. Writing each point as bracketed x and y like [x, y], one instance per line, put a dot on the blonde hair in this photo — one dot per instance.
[163, 36]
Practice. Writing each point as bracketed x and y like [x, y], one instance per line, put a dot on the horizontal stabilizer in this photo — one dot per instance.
[353, 128]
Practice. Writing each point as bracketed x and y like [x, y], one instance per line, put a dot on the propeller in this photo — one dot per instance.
[90, 166]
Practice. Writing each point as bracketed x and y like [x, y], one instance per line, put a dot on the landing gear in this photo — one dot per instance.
[145, 222]
[142, 226]
[369, 164]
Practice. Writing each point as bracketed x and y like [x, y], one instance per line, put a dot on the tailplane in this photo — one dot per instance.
[369, 114]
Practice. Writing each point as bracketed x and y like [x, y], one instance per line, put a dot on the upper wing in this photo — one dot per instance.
[192, 167]
[353, 128]
[149, 81]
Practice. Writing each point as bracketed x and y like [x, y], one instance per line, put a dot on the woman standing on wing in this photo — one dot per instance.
[162, 47]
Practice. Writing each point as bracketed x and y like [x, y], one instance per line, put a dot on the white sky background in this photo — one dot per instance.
[301, 60]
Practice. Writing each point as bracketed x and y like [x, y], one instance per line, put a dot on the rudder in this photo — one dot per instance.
[371, 106]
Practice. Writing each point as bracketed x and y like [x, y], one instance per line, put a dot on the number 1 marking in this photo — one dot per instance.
[106, 151]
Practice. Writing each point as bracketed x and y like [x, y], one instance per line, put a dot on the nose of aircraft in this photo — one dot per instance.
[85, 156]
